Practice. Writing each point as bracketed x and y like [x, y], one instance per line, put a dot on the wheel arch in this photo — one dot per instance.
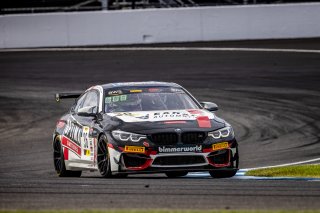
[102, 134]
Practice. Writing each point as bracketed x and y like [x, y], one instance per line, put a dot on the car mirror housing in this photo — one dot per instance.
[209, 106]
[87, 111]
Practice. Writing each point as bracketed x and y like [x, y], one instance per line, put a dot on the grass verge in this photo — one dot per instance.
[304, 171]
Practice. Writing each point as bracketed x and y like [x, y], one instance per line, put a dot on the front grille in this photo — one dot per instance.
[193, 137]
[165, 138]
[178, 160]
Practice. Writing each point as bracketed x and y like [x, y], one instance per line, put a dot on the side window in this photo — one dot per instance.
[80, 102]
[91, 100]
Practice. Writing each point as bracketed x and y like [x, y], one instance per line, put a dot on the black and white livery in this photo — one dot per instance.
[142, 127]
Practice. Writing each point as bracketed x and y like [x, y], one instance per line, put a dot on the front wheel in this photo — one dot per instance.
[176, 174]
[59, 164]
[228, 173]
[223, 174]
[103, 158]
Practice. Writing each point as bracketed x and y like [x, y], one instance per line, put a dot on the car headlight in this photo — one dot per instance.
[222, 133]
[127, 136]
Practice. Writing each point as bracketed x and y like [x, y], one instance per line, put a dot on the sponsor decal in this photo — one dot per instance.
[79, 135]
[171, 114]
[153, 89]
[66, 153]
[74, 132]
[134, 149]
[85, 136]
[143, 117]
[135, 90]
[71, 145]
[204, 122]
[135, 115]
[117, 98]
[181, 116]
[86, 152]
[219, 146]
[115, 92]
[197, 148]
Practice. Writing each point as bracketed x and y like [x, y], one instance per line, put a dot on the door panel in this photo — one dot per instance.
[77, 137]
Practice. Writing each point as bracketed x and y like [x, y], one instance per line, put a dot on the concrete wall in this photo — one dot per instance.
[160, 25]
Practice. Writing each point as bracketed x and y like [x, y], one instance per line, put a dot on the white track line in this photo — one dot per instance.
[242, 172]
[281, 165]
[161, 49]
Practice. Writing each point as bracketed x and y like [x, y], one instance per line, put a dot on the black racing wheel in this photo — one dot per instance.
[103, 158]
[228, 173]
[59, 164]
[176, 174]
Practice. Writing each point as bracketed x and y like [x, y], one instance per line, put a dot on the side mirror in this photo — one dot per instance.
[209, 106]
[87, 111]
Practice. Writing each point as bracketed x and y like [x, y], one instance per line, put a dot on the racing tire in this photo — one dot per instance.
[121, 175]
[223, 174]
[230, 173]
[59, 164]
[176, 174]
[103, 158]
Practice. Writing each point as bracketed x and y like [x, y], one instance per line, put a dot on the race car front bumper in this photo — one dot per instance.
[153, 162]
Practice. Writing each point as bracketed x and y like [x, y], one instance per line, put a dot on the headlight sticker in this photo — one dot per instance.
[221, 133]
[127, 136]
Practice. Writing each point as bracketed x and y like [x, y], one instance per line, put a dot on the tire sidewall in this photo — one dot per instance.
[107, 171]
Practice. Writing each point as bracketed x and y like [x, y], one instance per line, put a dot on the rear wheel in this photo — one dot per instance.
[59, 164]
[176, 174]
[103, 158]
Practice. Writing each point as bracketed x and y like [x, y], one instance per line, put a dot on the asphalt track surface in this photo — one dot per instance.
[271, 98]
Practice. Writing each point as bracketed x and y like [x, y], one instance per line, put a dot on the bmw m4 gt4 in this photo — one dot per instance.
[142, 127]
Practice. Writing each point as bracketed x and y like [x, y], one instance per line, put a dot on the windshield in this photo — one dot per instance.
[147, 99]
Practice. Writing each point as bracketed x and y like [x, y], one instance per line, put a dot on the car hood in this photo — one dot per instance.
[167, 120]
[164, 115]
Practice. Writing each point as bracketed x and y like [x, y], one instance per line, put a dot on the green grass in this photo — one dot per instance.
[306, 171]
[160, 211]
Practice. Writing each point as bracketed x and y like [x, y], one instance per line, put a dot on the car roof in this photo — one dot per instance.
[140, 84]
